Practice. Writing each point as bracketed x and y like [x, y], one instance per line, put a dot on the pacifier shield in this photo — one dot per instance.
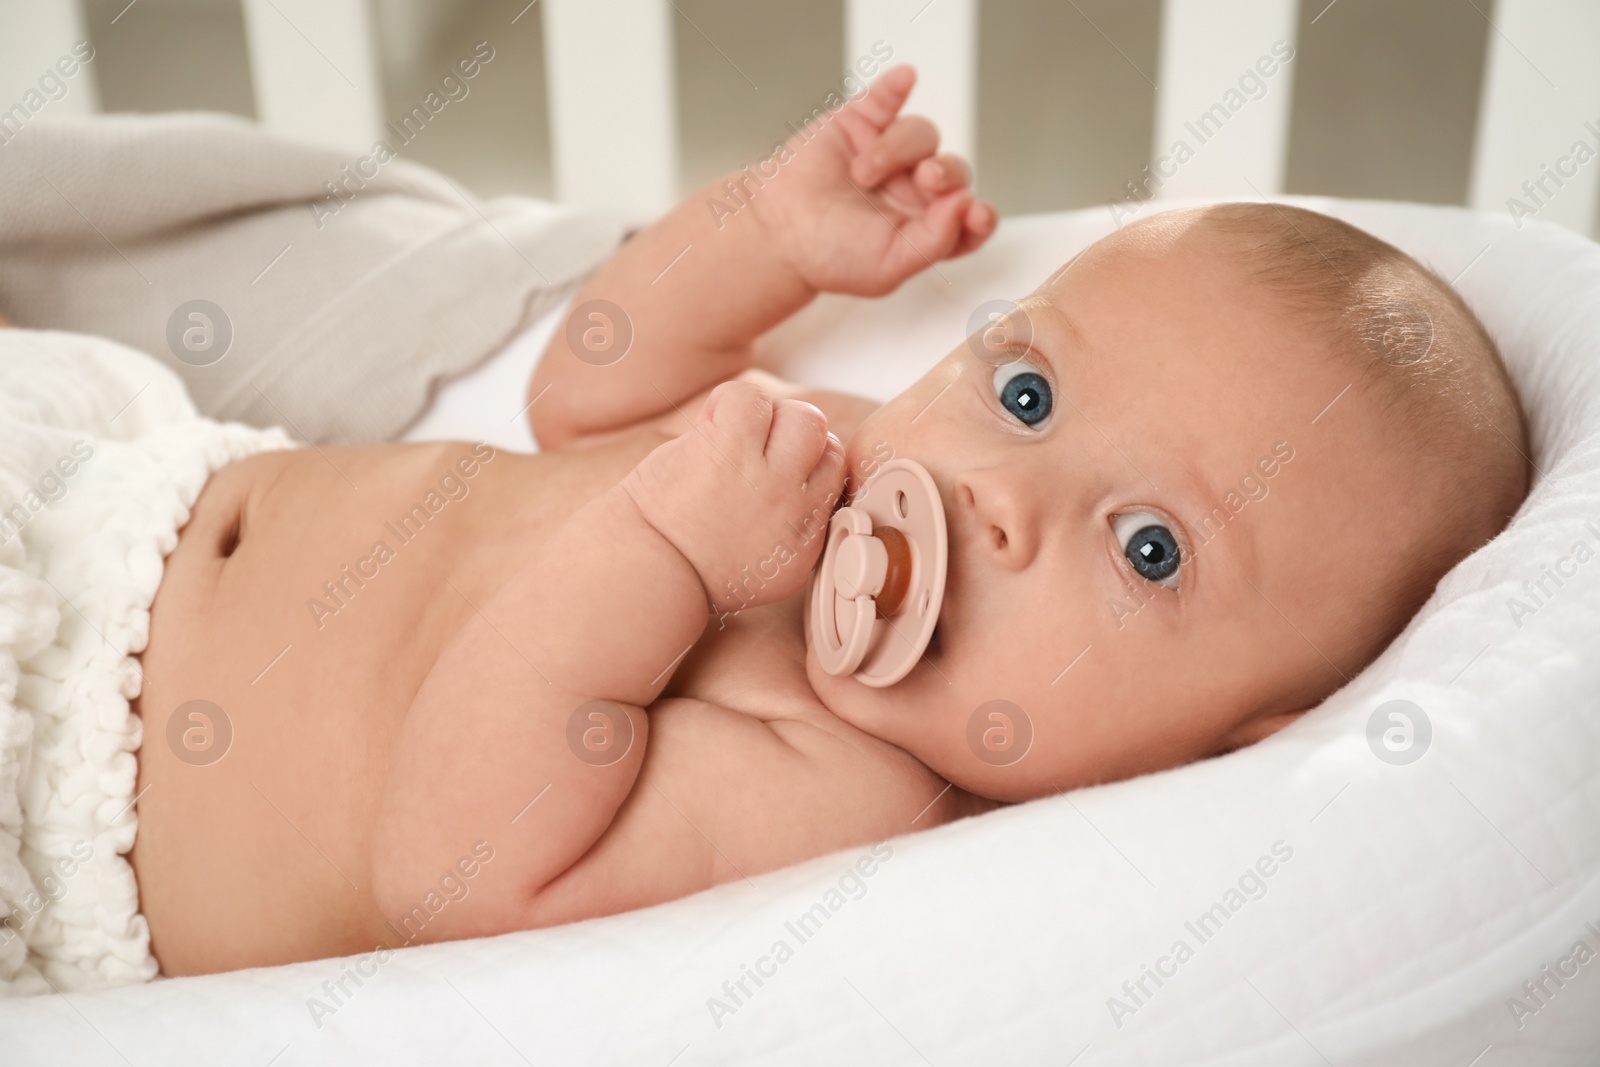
[876, 595]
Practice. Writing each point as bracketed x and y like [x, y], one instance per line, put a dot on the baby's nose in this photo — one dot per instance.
[997, 518]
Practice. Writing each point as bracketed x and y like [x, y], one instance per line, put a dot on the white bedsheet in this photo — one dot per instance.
[1414, 904]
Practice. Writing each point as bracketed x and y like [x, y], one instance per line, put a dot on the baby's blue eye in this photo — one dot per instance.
[1152, 550]
[1023, 392]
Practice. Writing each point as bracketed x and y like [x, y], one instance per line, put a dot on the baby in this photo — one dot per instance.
[1193, 484]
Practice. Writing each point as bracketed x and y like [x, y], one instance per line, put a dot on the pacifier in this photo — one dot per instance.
[876, 595]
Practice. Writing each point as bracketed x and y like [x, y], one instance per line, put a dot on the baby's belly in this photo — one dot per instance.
[307, 599]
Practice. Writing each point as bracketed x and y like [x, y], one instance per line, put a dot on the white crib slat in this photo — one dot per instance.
[939, 38]
[1541, 97]
[613, 103]
[313, 68]
[35, 36]
[1238, 134]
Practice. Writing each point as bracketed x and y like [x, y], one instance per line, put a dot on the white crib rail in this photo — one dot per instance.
[32, 37]
[613, 100]
[314, 69]
[609, 72]
[1541, 95]
[939, 38]
[1206, 48]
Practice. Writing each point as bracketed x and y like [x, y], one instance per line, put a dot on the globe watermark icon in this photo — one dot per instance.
[199, 332]
[1400, 332]
[999, 733]
[997, 330]
[599, 332]
[1399, 732]
[599, 732]
[199, 733]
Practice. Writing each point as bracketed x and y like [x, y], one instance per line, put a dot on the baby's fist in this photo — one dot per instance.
[746, 495]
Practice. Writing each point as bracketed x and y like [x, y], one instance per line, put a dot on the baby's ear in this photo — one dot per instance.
[1253, 729]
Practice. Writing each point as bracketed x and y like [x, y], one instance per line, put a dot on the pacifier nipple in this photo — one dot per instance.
[880, 585]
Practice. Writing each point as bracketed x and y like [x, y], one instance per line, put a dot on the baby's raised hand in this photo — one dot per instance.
[866, 202]
[746, 495]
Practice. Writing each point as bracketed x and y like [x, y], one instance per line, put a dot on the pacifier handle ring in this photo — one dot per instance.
[838, 657]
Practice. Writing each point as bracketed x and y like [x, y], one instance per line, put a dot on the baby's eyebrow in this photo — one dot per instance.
[1041, 307]
[1061, 271]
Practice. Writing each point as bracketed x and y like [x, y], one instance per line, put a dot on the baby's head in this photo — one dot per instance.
[1229, 454]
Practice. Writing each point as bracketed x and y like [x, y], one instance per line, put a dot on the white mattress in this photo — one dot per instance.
[1416, 903]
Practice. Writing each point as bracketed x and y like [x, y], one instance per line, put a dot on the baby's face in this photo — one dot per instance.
[1163, 408]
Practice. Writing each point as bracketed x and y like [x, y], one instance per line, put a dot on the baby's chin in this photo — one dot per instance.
[870, 710]
[920, 720]
[838, 694]
[937, 737]
[887, 715]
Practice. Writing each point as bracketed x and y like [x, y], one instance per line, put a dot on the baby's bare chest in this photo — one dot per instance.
[307, 600]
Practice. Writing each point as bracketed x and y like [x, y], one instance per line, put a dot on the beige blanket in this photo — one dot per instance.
[287, 284]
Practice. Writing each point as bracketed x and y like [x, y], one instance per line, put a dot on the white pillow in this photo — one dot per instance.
[1406, 906]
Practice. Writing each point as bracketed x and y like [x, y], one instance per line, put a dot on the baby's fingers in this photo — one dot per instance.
[736, 420]
[823, 487]
[796, 441]
[979, 224]
[942, 226]
[882, 103]
[942, 174]
[909, 140]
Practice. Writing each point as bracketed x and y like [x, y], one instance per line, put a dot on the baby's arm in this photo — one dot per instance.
[860, 206]
[604, 613]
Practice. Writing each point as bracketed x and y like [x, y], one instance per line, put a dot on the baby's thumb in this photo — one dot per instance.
[943, 222]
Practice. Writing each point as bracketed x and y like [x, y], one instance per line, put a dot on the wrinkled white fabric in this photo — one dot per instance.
[101, 457]
[402, 281]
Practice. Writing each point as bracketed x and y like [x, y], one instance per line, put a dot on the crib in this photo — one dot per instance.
[1423, 906]
[612, 87]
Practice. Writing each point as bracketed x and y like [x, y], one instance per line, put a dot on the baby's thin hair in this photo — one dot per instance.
[1430, 362]
[1407, 328]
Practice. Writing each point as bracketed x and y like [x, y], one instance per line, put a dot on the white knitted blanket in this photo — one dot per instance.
[101, 457]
